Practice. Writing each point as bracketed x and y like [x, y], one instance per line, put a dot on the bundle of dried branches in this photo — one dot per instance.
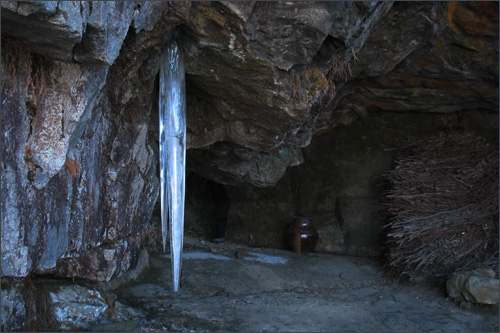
[443, 205]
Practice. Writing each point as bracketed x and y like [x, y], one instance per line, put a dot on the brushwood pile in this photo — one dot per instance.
[442, 202]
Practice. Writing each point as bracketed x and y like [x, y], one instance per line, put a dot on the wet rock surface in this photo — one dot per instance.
[230, 287]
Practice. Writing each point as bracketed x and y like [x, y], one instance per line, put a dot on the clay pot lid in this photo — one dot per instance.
[302, 221]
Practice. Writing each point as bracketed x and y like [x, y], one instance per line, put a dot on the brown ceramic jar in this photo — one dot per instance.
[301, 236]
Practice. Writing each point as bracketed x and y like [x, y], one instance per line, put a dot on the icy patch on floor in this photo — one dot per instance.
[247, 256]
[201, 255]
[263, 258]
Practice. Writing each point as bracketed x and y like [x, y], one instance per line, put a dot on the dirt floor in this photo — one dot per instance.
[229, 287]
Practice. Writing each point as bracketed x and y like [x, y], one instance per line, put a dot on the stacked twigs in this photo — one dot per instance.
[443, 205]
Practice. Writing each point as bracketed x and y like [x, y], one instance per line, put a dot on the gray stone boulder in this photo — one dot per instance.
[75, 307]
[473, 286]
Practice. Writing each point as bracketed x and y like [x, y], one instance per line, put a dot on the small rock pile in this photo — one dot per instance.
[480, 286]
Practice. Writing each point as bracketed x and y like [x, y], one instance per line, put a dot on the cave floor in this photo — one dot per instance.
[229, 287]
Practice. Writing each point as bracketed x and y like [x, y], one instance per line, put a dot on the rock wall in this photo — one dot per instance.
[285, 53]
[75, 149]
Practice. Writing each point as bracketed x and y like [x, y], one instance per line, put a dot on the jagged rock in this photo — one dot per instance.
[430, 61]
[277, 104]
[287, 34]
[107, 25]
[61, 117]
[52, 28]
[29, 304]
[75, 307]
[13, 307]
[232, 164]
[88, 32]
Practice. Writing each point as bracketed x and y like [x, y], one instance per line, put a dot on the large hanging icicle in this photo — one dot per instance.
[172, 153]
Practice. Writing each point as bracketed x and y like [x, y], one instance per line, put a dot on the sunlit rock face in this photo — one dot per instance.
[79, 116]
